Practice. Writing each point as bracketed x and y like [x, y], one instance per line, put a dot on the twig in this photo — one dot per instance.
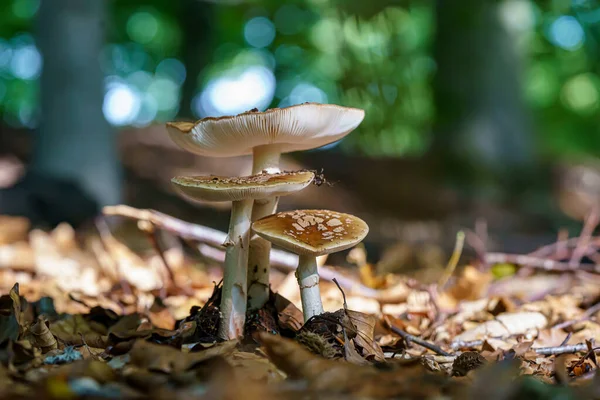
[537, 262]
[106, 237]
[211, 239]
[341, 290]
[553, 351]
[587, 314]
[564, 342]
[466, 344]
[184, 229]
[453, 262]
[411, 338]
[591, 222]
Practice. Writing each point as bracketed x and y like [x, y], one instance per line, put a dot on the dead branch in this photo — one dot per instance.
[591, 222]
[553, 351]
[411, 338]
[587, 314]
[546, 264]
[211, 241]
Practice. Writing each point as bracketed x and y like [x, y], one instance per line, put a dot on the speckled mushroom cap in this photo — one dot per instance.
[300, 127]
[312, 232]
[255, 187]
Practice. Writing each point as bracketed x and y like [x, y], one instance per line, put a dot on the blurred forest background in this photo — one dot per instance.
[475, 109]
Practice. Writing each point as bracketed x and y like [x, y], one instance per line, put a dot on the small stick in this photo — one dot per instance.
[105, 237]
[411, 338]
[462, 344]
[587, 314]
[453, 262]
[553, 351]
[341, 290]
[564, 342]
[537, 262]
[591, 222]
[551, 249]
[184, 229]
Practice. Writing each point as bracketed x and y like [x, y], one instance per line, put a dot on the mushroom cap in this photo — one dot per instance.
[312, 232]
[255, 187]
[300, 127]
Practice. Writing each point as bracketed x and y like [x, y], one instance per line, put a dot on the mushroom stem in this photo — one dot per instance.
[233, 296]
[265, 158]
[259, 264]
[308, 280]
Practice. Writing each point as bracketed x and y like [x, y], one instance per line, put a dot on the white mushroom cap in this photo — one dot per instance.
[300, 127]
[255, 187]
[312, 232]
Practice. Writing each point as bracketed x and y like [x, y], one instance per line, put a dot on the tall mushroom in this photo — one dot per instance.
[311, 233]
[266, 135]
[241, 191]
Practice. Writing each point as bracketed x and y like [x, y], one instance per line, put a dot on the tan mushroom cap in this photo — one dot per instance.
[300, 127]
[255, 187]
[312, 232]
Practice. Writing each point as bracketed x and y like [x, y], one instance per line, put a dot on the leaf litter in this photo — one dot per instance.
[87, 316]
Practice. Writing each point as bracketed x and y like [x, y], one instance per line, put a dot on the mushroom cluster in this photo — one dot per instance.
[309, 233]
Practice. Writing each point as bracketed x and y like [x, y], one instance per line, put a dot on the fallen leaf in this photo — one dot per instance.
[505, 325]
[10, 311]
[365, 337]
[167, 359]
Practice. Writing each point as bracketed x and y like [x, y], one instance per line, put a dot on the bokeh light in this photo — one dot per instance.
[142, 27]
[233, 93]
[304, 92]
[566, 32]
[121, 104]
[580, 94]
[26, 62]
[259, 32]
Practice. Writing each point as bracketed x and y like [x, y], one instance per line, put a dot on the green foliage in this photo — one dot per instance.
[376, 55]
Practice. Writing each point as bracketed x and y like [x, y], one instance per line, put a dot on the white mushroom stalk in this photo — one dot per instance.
[265, 159]
[311, 233]
[308, 281]
[233, 294]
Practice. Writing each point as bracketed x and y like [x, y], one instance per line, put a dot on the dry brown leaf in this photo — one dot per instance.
[328, 377]
[505, 325]
[74, 330]
[42, 337]
[254, 367]
[365, 337]
[13, 229]
[471, 285]
[167, 359]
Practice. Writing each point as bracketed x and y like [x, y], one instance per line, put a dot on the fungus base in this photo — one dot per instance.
[308, 280]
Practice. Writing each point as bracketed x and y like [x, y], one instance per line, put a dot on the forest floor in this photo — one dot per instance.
[124, 315]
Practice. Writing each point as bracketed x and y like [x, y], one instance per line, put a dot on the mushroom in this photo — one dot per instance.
[241, 191]
[266, 135]
[311, 233]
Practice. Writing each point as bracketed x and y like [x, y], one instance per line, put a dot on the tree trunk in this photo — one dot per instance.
[197, 21]
[74, 142]
[482, 129]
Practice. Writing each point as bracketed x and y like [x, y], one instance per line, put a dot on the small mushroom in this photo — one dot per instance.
[311, 233]
[241, 191]
[266, 135]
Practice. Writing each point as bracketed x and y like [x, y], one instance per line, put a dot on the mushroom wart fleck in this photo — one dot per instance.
[311, 233]
[241, 191]
[266, 135]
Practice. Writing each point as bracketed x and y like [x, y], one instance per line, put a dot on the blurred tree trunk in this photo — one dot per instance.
[197, 21]
[482, 131]
[74, 142]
